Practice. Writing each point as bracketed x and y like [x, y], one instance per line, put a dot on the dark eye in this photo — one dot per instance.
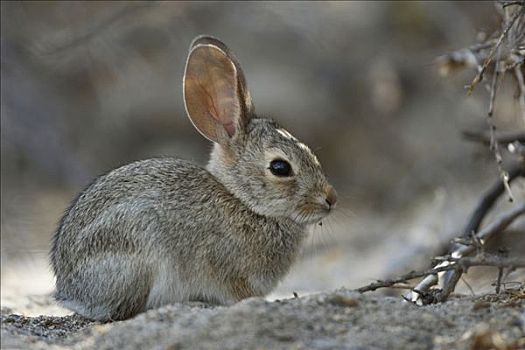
[280, 167]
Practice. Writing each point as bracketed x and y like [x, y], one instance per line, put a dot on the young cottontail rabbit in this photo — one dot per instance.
[165, 230]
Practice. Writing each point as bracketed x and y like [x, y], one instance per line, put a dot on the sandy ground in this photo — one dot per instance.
[335, 320]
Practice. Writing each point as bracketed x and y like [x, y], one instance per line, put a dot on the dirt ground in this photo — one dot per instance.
[340, 319]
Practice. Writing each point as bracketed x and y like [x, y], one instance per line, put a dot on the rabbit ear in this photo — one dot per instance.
[215, 94]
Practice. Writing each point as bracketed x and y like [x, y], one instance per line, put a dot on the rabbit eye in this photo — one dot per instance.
[280, 167]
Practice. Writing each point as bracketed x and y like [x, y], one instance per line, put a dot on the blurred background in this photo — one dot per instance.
[89, 86]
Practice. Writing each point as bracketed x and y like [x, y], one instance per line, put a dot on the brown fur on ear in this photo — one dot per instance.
[215, 94]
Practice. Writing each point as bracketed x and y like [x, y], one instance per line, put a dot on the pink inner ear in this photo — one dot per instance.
[212, 92]
[230, 128]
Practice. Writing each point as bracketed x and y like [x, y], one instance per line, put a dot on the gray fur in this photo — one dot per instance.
[165, 230]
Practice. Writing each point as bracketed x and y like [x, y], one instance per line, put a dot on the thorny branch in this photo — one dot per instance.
[479, 77]
[494, 145]
[455, 264]
[402, 279]
[503, 53]
[451, 278]
[468, 239]
[489, 198]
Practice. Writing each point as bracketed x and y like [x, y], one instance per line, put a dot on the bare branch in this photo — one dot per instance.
[495, 48]
[490, 53]
[488, 200]
[491, 260]
[451, 278]
[460, 260]
[494, 146]
[498, 281]
[404, 278]
[453, 264]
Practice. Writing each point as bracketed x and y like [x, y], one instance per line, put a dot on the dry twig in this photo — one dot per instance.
[488, 200]
[501, 59]
[452, 277]
[479, 77]
[461, 247]
[454, 264]
[458, 248]
[498, 281]
[402, 279]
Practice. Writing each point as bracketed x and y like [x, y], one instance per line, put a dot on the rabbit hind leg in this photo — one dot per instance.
[112, 287]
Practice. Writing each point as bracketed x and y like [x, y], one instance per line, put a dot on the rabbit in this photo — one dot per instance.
[165, 230]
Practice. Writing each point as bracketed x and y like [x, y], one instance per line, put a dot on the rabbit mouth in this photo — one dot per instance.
[310, 214]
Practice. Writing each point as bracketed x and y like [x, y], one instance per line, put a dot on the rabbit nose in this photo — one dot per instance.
[331, 197]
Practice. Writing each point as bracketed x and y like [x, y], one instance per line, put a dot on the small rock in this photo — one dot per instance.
[341, 300]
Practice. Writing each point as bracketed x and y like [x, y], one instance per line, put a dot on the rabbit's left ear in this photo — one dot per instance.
[215, 93]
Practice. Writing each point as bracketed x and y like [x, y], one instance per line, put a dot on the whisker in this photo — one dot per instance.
[347, 213]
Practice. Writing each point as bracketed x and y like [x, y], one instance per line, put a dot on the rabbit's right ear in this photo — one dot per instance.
[215, 94]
